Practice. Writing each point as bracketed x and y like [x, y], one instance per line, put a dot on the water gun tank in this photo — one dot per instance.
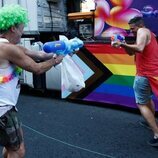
[63, 46]
[57, 47]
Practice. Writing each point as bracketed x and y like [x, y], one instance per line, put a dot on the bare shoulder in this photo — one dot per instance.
[3, 50]
[3, 45]
[144, 31]
[8, 49]
[144, 35]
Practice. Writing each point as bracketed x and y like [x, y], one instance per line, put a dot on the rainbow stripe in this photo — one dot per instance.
[118, 88]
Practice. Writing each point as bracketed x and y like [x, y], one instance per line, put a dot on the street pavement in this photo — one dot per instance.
[55, 128]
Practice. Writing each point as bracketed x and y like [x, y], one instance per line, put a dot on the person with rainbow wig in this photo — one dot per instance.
[14, 58]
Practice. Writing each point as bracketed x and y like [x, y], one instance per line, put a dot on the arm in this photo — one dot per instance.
[141, 42]
[131, 49]
[37, 55]
[17, 55]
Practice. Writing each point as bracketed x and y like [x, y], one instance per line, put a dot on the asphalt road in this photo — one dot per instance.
[55, 128]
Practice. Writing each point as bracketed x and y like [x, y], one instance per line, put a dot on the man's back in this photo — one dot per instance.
[147, 61]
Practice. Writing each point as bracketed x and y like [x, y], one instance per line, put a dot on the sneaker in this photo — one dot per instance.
[154, 141]
[143, 123]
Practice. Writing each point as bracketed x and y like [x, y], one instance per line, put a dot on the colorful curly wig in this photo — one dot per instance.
[11, 15]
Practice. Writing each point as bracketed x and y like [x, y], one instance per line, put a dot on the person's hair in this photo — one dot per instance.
[138, 20]
[12, 15]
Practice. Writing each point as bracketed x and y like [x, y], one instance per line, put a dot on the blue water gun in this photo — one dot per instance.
[117, 38]
[63, 46]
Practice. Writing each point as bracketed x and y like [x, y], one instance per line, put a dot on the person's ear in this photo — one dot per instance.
[141, 25]
[13, 29]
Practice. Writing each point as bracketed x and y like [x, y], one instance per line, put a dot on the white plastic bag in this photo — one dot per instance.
[71, 77]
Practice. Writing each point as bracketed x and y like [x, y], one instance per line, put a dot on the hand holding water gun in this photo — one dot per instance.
[117, 40]
[63, 46]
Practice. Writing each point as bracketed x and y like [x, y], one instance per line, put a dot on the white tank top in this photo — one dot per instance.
[9, 91]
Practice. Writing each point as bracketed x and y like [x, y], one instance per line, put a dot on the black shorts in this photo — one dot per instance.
[10, 130]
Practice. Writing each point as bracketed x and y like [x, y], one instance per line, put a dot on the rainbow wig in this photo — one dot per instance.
[11, 15]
